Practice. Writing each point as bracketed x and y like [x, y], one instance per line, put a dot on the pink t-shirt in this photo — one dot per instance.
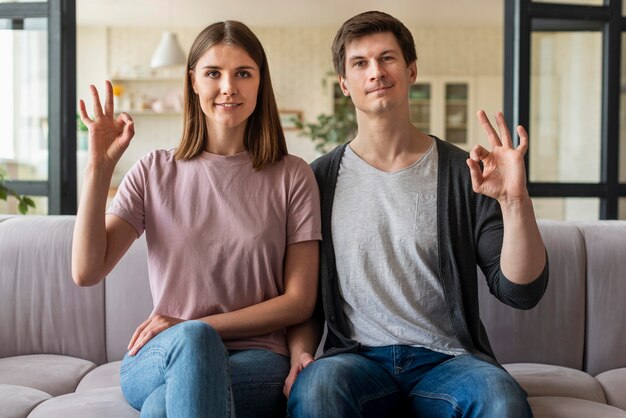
[217, 231]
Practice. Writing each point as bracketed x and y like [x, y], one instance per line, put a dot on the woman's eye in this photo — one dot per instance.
[212, 74]
[243, 74]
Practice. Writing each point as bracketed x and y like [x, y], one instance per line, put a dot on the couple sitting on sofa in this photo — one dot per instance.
[233, 221]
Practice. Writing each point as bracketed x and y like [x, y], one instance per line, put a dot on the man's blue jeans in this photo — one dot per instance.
[405, 381]
[185, 371]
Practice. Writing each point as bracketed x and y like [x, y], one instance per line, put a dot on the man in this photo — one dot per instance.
[406, 218]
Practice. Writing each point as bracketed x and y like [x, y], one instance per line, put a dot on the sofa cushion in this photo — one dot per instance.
[105, 376]
[614, 384]
[52, 374]
[606, 329]
[98, 403]
[539, 335]
[18, 401]
[548, 380]
[556, 407]
[42, 311]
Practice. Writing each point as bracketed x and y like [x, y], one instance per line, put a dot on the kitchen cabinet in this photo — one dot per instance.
[443, 106]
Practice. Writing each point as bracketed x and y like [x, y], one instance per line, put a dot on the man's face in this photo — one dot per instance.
[377, 77]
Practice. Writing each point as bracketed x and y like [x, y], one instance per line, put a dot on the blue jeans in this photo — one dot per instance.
[405, 381]
[185, 371]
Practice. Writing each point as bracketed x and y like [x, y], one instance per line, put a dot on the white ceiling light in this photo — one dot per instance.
[168, 53]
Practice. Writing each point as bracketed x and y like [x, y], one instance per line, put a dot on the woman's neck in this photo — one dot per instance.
[225, 140]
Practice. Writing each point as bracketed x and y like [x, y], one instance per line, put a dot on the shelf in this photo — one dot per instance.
[150, 112]
[146, 79]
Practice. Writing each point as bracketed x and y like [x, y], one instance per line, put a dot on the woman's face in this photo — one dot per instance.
[226, 81]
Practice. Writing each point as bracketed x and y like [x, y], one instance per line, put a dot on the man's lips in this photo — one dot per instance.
[379, 88]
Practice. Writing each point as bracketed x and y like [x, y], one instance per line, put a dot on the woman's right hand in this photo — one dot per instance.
[108, 137]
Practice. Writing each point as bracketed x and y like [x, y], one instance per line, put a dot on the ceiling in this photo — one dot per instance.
[290, 13]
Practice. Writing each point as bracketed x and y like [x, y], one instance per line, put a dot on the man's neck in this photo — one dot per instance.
[388, 144]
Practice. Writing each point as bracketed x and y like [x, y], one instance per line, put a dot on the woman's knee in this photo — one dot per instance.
[196, 333]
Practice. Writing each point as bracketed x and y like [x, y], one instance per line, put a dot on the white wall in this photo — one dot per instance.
[299, 60]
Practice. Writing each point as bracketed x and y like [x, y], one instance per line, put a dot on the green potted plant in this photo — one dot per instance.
[329, 130]
[25, 202]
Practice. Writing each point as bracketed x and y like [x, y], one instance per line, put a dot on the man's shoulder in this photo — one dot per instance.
[322, 165]
[450, 152]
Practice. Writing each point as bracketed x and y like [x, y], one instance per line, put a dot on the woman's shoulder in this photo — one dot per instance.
[159, 158]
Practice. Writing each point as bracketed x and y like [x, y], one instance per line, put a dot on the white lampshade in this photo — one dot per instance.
[168, 53]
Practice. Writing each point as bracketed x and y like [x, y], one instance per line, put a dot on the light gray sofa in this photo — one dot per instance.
[60, 345]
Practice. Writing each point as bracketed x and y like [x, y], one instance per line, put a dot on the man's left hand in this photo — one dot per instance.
[504, 175]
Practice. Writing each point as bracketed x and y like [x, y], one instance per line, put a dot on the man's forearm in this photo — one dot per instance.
[523, 256]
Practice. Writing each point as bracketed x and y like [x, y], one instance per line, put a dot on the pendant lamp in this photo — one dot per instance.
[168, 53]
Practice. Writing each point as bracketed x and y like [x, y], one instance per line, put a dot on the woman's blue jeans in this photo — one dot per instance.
[407, 381]
[185, 371]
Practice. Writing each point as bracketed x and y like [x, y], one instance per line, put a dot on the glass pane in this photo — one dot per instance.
[23, 1]
[567, 209]
[622, 115]
[24, 99]
[456, 113]
[9, 206]
[577, 2]
[565, 107]
[419, 106]
[621, 211]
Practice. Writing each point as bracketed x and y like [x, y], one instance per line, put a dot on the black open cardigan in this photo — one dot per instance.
[469, 231]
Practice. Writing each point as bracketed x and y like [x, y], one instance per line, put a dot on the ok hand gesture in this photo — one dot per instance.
[108, 137]
[504, 175]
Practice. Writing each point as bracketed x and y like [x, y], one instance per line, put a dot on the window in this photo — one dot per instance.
[563, 82]
[37, 78]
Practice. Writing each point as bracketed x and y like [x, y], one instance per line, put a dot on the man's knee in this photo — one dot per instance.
[498, 394]
[324, 382]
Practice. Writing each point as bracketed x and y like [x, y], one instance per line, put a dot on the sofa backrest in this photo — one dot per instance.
[605, 340]
[581, 320]
[553, 332]
[41, 309]
[579, 323]
[128, 299]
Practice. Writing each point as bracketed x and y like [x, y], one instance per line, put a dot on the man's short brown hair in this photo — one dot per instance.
[369, 23]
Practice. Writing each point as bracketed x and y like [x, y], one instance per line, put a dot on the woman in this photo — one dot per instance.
[232, 226]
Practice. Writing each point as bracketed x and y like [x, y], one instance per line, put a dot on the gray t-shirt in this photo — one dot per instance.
[385, 239]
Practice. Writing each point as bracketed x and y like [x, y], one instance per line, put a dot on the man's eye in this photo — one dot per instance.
[359, 63]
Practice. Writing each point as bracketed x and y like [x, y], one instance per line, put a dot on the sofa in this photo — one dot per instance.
[60, 345]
